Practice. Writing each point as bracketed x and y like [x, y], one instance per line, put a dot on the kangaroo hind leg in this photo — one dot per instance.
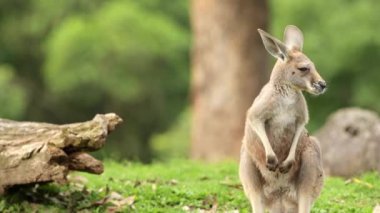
[251, 180]
[310, 179]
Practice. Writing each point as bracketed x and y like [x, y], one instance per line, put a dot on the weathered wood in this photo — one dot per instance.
[33, 152]
[84, 162]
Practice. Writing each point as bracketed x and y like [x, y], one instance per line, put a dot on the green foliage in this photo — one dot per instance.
[174, 143]
[118, 49]
[122, 57]
[79, 58]
[176, 186]
[12, 95]
[341, 37]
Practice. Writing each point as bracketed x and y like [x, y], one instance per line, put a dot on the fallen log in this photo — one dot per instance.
[32, 152]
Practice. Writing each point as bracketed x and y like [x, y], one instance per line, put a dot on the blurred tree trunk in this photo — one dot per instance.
[228, 71]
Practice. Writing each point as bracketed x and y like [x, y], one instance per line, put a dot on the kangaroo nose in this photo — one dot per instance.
[322, 84]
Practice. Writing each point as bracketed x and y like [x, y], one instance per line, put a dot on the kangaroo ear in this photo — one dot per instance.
[274, 46]
[293, 38]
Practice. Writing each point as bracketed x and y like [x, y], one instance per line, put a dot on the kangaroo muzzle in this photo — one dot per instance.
[320, 86]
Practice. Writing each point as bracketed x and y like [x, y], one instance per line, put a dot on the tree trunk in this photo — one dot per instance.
[228, 71]
[40, 152]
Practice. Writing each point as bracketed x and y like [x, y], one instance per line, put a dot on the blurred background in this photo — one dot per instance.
[180, 73]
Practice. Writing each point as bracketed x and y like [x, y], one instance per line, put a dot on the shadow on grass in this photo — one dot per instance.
[51, 196]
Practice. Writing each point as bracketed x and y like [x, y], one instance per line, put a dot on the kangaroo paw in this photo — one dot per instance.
[272, 162]
[286, 166]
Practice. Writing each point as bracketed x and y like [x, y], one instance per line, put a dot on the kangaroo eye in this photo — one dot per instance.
[303, 69]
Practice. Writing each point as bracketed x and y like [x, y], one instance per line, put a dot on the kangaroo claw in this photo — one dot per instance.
[286, 166]
[272, 162]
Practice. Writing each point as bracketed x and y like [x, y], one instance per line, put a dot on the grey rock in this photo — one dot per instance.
[350, 142]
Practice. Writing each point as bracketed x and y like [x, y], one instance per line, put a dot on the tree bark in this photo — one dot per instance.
[228, 71]
[40, 152]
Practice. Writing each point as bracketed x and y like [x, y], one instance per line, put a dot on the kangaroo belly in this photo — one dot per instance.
[279, 186]
[280, 138]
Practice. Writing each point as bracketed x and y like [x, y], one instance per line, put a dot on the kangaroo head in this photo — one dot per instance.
[293, 67]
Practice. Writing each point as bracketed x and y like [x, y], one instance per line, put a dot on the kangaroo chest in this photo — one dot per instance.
[281, 126]
[283, 120]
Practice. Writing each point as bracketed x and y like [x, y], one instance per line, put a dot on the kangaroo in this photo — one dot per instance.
[280, 164]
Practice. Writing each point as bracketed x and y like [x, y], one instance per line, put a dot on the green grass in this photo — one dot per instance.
[177, 186]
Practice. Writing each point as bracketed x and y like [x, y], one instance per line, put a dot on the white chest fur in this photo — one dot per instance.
[283, 118]
[284, 115]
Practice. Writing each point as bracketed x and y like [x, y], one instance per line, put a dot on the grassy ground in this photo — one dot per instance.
[178, 186]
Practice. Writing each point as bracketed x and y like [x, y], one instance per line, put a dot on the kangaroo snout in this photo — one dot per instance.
[320, 86]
